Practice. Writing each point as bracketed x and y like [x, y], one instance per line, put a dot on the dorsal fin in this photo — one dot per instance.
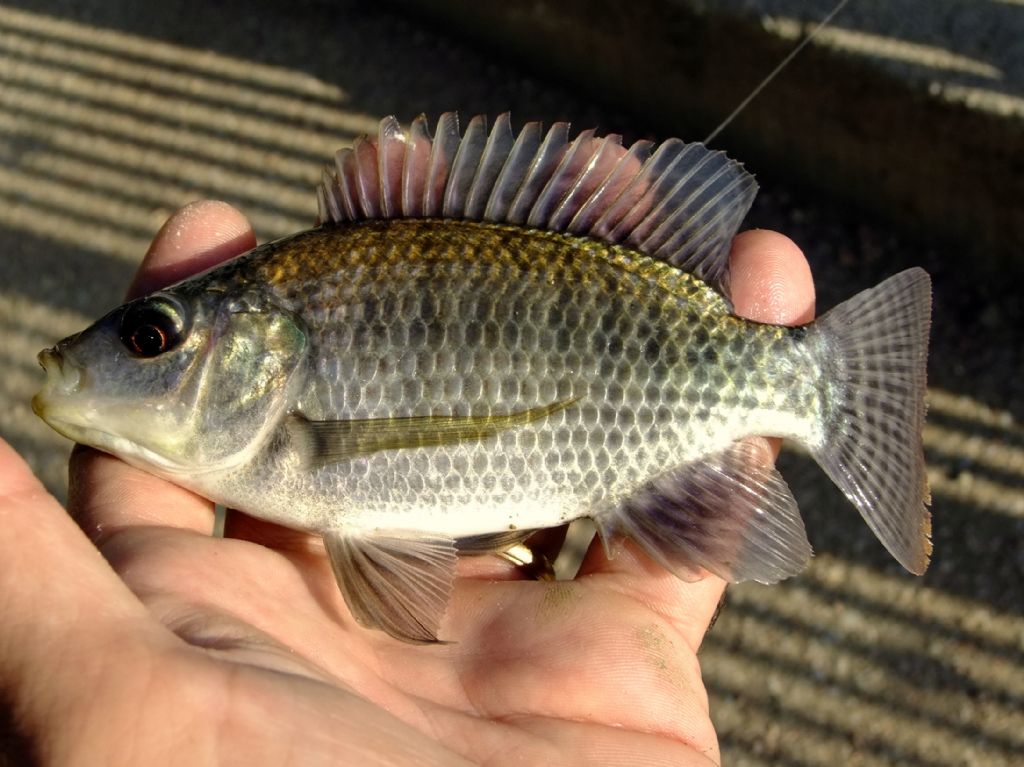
[681, 203]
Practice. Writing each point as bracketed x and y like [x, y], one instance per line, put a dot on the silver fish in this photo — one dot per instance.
[494, 333]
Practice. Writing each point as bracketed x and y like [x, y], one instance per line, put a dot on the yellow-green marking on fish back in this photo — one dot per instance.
[411, 247]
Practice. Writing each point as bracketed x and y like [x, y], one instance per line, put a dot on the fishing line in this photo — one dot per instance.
[772, 75]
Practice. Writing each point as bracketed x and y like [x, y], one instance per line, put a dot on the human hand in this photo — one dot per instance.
[147, 641]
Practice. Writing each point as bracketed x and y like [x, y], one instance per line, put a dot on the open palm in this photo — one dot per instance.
[175, 646]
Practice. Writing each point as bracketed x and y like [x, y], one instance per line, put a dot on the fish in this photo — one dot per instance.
[490, 333]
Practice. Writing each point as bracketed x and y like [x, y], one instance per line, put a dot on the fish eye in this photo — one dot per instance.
[152, 327]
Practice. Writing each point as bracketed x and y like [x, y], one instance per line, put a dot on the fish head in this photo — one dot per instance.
[178, 382]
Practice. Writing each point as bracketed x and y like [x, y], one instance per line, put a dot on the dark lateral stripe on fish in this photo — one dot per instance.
[681, 204]
[324, 442]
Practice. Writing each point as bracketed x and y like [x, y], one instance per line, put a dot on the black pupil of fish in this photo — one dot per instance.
[148, 340]
[149, 334]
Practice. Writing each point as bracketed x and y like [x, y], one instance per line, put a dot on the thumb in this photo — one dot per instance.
[63, 607]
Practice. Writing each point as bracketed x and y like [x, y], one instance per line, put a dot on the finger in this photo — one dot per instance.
[62, 605]
[771, 279]
[771, 282]
[106, 495]
[200, 235]
[70, 571]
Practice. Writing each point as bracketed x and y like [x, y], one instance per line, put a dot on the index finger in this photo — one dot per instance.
[196, 237]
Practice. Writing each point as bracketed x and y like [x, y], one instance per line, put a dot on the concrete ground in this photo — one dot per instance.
[112, 115]
[910, 110]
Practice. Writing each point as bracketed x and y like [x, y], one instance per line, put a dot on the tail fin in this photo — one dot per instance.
[877, 348]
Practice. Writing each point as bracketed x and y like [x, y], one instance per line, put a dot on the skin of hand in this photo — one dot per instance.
[147, 641]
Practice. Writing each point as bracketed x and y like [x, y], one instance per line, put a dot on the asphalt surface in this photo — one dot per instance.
[112, 116]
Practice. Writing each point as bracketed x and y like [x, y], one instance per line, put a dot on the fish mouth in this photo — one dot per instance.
[63, 378]
[79, 429]
[66, 404]
[73, 429]
[56, 402]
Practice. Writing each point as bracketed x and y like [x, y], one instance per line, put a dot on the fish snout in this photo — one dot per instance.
[63, 378]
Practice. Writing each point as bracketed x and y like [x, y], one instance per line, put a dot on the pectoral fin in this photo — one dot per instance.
[731, 514]
[394, 580]
[324, 442]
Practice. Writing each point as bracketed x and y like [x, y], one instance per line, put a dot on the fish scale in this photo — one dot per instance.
[491, 334]
[644, 395]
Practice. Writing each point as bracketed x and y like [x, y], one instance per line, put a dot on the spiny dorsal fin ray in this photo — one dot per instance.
[682, 203]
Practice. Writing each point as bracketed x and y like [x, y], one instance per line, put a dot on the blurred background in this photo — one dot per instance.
[896, 139]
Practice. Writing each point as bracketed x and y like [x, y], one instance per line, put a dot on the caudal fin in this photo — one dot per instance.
[876, 344]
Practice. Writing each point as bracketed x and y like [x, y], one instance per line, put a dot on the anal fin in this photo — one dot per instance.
[731, 514]
[394, 580]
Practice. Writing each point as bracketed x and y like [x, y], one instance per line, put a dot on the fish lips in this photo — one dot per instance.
[67, 403]
[63, 403]
[55, 402]
[63, 378]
